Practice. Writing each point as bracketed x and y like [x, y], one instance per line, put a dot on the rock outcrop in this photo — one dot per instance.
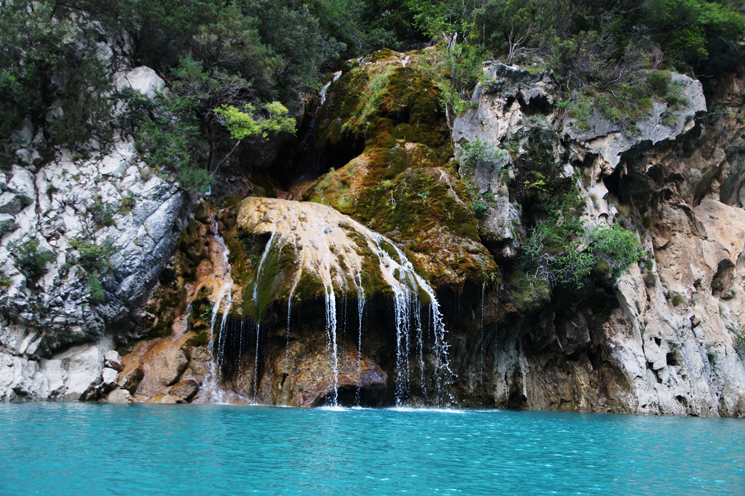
[664, 340]
[382, 124]
[84, 241]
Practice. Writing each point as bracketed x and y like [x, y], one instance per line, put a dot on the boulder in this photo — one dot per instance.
[184, 390]
[119, 396]
[142, 79]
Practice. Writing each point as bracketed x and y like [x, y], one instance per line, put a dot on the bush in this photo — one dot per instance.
[555, 251]
[481, 153]
[479, 208]
[93, 257]
[31, 259]
[660, 82]
[95, 260]
[96, 289]
[103, 213]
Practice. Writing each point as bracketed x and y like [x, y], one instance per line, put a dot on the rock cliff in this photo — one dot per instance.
[85, 238]
[669, 343]
[416, 271]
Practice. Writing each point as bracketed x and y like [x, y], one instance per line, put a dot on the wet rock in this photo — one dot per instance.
[129, 378]
[162, 398]
[303, 373]
[119, 396]
[184, 390]
[393, 168]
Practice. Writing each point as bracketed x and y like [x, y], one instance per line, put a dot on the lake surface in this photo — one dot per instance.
[91, 449]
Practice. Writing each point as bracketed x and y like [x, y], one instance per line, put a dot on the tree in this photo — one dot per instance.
[512, 24]
[252, 122]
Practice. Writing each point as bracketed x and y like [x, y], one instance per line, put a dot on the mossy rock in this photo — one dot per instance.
[403, 184]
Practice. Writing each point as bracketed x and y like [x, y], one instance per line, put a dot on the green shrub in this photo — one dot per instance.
[479, 208]
[103, 213]
[554, 251]
[31, 259]
[128, 202]
[92, 257]
[481, 153]
[660, 82]
[96, 289]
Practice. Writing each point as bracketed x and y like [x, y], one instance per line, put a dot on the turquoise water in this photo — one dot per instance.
[69, 448]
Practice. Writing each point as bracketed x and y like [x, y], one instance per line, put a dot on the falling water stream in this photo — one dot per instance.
[321, 246]
[224, 299]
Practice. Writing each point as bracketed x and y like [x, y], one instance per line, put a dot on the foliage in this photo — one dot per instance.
[95, 260]
[562, 252]
[97, 294]
[250, 122]
[481, 153]
[31, 258]
[103, 213]
[92, 257]
[170, 140]
[456, 68]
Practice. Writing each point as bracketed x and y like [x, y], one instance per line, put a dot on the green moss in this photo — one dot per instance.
[395, 188]
[199, 340]
[528, 293]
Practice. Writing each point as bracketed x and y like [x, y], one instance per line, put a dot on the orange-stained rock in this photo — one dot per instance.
[184, 390]
[303, 373]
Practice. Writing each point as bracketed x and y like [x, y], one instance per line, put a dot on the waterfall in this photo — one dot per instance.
[360, 316]
[330, 300]
[212, 381]
[257, 303]
[335, 252]
[406, 286]
[326, 86]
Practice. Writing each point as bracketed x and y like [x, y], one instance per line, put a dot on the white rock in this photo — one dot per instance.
[109, 376]
[142, 79]
[119, 396]
[22, 183]
[113, 360]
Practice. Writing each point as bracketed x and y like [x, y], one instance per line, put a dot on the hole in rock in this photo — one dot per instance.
[536, 105]
[722, 279]
[672, 359]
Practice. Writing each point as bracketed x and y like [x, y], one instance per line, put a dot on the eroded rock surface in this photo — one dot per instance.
[110, 226]
[664, 340]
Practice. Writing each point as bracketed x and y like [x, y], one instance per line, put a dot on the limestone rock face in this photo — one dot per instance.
[141, 79]
[106, 221]
[666, 341]
[69, 375]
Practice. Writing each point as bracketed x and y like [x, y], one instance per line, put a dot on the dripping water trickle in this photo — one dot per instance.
[225, 298]
[264, 255]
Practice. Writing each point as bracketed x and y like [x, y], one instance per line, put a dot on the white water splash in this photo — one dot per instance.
[224, 298]
[326, 86]
[332, 247]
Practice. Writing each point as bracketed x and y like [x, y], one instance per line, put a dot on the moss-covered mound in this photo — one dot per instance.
[385, 116]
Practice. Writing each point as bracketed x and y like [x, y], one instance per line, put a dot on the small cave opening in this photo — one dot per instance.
[672, 359]
[723, 278]
[537, 105]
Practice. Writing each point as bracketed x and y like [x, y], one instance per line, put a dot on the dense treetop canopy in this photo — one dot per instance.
[216, 53]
